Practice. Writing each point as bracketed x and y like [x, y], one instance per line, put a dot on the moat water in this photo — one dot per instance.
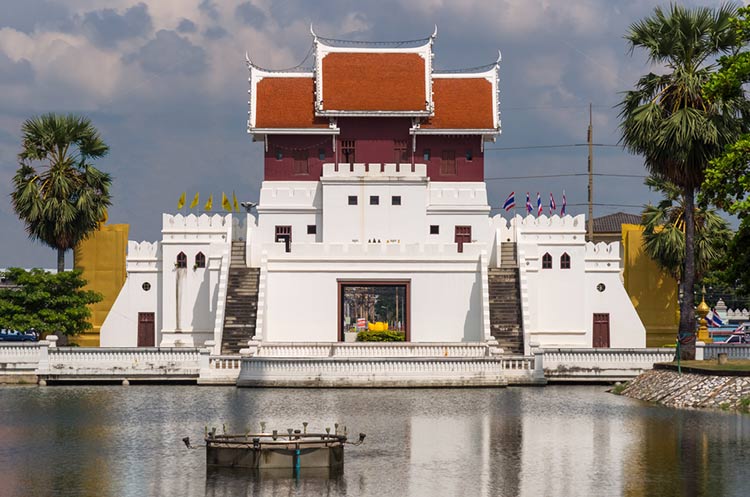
[553, 441]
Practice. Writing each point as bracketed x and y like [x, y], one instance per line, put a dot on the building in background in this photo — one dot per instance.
[373, 187]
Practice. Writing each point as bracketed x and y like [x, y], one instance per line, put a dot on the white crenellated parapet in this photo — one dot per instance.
[179, 225]
[458, 194]
[733, 351]
[554, 224]
[142, 250]
[142, 256]
[290, 194]
[374, 171]
[736, 314]
[603, 257]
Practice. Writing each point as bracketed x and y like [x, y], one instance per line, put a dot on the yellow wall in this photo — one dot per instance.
[102, 258]
[653, 293]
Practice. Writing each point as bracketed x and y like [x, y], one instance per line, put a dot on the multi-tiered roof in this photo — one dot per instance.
[352, 79]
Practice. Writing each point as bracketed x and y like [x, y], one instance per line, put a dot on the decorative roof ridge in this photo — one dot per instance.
[471, 70]
[339, 43]
[299, 68]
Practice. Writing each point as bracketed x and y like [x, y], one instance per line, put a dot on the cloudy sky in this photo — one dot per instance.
[165, 82]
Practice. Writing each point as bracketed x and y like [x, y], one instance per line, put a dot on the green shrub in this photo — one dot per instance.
[381, 336]
[618, 388]
[745, 404]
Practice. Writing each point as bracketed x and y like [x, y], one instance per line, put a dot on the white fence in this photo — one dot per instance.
[601, 364]
[373, 349]
[712, 351]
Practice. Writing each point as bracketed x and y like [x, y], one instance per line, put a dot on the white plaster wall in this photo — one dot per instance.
[362, 222]
[197, 289]
[120, 328]
[302, 304]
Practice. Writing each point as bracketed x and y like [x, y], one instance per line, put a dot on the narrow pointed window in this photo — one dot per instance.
[200, 260]
[181, 260]
[547, 261]
[565, 261]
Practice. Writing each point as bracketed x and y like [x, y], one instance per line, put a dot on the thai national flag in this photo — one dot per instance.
[565, 202]
[552, 204]
[538, 204]
[510, 202]
[528, 204]
[715, 319]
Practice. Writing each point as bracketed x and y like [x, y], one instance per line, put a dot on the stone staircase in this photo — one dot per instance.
[242, 302]
[505, 301]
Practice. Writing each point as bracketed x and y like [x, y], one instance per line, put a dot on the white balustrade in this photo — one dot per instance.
[373, 349]
[601, 364]
[739, 351]
[121, 362]
[19, 358]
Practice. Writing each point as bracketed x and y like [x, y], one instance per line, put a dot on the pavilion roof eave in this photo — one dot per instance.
[454, 131]
[293, 131]
[374, 113]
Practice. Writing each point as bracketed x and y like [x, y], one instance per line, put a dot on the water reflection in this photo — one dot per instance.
[113, 441]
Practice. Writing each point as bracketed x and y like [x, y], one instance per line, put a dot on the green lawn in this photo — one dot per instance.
[713, 365]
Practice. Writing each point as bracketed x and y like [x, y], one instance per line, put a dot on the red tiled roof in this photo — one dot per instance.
[373, 81]
[286, 103]
[461, 103]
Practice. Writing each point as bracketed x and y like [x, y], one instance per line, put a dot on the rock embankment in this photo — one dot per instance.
[690, 390]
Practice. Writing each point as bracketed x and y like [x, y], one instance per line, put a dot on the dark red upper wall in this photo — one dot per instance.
[375, 142]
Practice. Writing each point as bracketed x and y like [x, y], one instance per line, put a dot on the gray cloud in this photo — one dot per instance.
[209, 8]
[25, 15]
[186, 26]
[250, 14]
[215, 33]
[107, 27]
[170, 53]
[15, 72]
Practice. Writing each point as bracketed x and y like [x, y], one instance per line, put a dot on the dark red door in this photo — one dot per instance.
[463, 235]
[146, 336]
[601, 331]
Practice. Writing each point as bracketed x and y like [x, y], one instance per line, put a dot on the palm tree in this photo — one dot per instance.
[667, 121]
[664, 232]
[64, 198]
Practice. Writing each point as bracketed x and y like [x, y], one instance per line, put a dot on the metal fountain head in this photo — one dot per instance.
[262, 426]
[186, 441]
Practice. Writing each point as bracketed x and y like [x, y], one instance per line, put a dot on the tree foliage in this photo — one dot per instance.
[664, 232]
[727, 181]
[57, 193]
[47, 302]
[667, 120]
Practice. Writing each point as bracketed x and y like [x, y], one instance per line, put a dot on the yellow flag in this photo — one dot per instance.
[181, 202]
[225, 202]
[209, 203]
[235, 203]
[195, 201]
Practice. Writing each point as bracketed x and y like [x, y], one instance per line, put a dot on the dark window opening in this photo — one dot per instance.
[312, 229]
[434, 229]
[546, 261]
[469, 155]
[396, 200]
[300, 162]
[565, 261]
[374, 200]
[181, 260]
[348, 148]
[426, 154]
[321, 154]
[279, 154]
[200, 260]
[448, 162]
[284, 235]
[352, 200]
[400, 155]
